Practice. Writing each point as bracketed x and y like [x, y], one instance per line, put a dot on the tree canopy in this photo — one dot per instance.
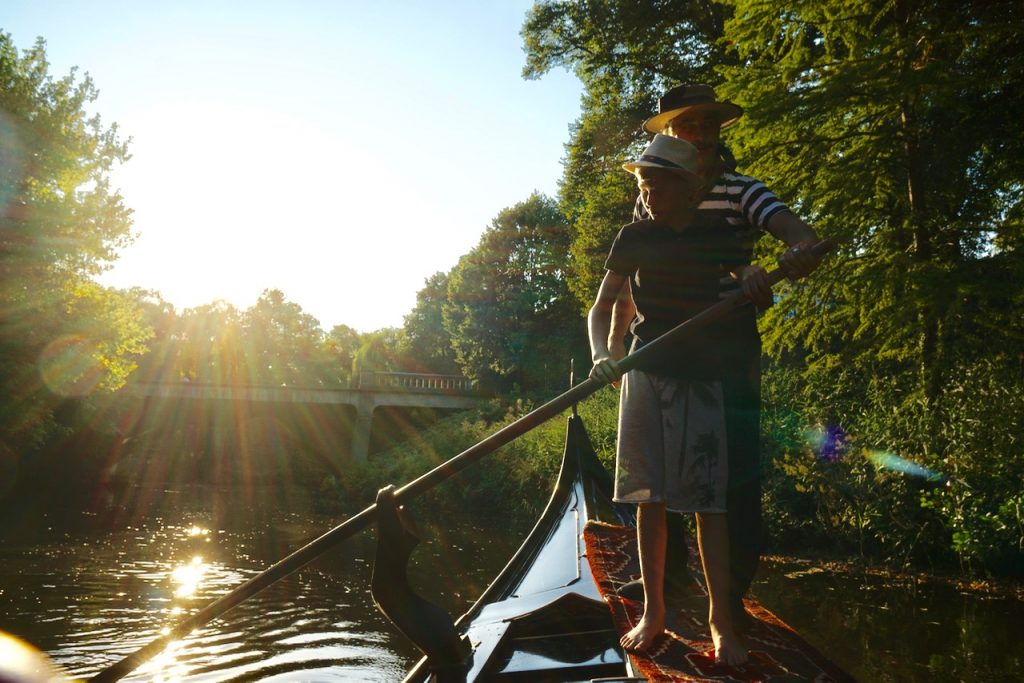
[61, 334]
[509, 314]
[890, 126]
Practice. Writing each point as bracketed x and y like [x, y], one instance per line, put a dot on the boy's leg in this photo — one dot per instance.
[650, 532]
[713, 539]
[679, 582]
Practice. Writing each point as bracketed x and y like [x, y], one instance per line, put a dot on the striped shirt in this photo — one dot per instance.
[745, 203]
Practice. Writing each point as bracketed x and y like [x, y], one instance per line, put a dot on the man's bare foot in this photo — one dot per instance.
[743, 622]
[729, 648]
[641, 636]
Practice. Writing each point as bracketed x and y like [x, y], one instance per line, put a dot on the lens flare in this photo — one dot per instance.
[889, 461]
[827, 441]
[69, 366]
[20, 661]
[14, 158]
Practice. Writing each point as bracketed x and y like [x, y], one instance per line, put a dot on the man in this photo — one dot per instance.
[671, 447]
[748, 209]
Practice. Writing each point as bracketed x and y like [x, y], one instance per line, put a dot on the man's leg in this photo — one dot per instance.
[713, 539]
[678, 579]
[650, 531]
[743, 499]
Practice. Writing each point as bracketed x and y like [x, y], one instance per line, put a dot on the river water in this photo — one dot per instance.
[90, 591]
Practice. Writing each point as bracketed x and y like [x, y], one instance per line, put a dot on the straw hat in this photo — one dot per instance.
[669, 153]
[696, 99]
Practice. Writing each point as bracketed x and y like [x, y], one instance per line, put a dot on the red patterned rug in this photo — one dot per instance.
[685, 652]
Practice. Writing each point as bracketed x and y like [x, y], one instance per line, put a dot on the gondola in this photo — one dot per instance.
[543, 618]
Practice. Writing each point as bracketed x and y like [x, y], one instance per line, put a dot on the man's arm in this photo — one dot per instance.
[797, 261]
[599, 325]
[787, 226]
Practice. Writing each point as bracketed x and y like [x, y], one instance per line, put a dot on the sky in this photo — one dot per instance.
[341, 152]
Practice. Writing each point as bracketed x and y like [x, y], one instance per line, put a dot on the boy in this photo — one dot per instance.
[671, 446]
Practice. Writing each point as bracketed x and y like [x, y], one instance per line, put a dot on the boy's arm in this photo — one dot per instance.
[623, 313]
[599, 324]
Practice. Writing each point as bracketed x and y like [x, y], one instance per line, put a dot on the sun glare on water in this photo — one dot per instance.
[188, 577]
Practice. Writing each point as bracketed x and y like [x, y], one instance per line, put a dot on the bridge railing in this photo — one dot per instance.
[412, 381]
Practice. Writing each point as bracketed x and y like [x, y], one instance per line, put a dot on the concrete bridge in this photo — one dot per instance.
[375, 389]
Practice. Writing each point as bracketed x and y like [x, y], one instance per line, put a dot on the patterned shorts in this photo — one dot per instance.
[671, 444]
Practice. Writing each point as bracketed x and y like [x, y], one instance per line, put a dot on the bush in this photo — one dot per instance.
[906, 483]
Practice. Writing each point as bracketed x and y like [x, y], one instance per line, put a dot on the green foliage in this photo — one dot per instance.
[625, 53]
[609, 206]
[342, 343]
[885, 497]
[981, 505]
[61, 334]
[273, 343]
[893, 128]
[848, 112]
[285, 346]
[508, 313]
[514, 481]
[847, 106]
[426, 343]
[378, 352]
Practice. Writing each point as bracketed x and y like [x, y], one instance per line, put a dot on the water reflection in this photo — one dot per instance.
[91, 596]
[88, 598]
[879, 629]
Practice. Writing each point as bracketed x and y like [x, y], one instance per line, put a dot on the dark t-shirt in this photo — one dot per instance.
[674, 275]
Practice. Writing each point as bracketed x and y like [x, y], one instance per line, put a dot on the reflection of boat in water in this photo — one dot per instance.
[552, 616]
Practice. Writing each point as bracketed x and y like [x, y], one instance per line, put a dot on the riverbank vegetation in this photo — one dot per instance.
[893, 383]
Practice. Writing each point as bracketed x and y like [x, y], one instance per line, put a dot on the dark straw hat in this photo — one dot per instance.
[698, 99]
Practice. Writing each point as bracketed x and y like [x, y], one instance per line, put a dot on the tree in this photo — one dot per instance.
[342, 344]
[161, 363]
[849, 112]
[509, 313]
[209, 345]
[284, 345]
[625, 53]
[428, 348]
[378, 352]
[891, 126]
[61, 223]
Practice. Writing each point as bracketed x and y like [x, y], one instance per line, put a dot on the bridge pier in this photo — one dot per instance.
[362, 428]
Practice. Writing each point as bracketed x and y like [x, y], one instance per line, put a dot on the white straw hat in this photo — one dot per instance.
[669, 153]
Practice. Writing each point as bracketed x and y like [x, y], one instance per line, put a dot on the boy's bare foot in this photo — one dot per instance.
[729, 648]
[641, 636]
